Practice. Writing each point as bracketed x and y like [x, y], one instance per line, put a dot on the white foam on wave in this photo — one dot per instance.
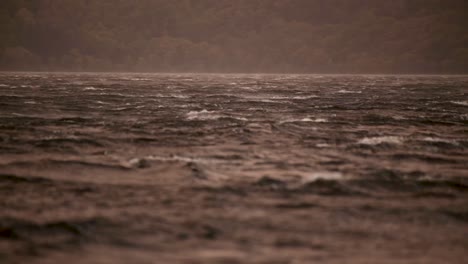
[316, 120]
[323, 175]
[90, 88]
[4, 85]
[28, 86]
[381, 140]
[179, 158]
[306, 119]
[342, 91]
[464, 103]
[265, 100]
[101, 102]
[276, 98]
[298, 97]
[304, 97]
[239, 118]
[202, 115]
[440, 140]
[209, 115]
[179, 96]
[322, 145]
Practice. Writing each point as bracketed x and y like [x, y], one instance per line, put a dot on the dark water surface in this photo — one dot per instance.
[141, 168]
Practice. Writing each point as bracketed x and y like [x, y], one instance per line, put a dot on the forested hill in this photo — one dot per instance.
[316, 36]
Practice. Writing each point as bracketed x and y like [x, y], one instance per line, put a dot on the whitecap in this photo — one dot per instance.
[279, 97]
[121, 108]
[202, 115]
[101, 102]
[179, 158]
[255, 109]
[250, 88]
[90, 88]
[464, 103]
[306, 119]
[317, 120]
[440, 140]
[381, 140]
[265, 100]
[4, 85]
[322, 145]
[210, 115]
[304, 97]
[323, 175]
[348, 92]
[179, 96]
[275, 98]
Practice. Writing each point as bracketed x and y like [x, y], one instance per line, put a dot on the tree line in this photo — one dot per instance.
[303, 36]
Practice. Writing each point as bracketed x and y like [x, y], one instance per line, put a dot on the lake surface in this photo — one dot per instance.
[168, 168]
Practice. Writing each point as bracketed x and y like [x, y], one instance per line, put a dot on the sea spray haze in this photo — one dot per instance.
[182, 168]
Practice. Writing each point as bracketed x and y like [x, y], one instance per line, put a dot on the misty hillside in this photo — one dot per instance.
[333, 36]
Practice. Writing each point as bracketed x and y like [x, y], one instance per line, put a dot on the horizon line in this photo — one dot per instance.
[234, 73]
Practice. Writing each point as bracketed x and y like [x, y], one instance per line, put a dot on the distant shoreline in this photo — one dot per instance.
[238, 73]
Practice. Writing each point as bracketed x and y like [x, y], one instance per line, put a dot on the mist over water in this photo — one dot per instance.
[240, 168]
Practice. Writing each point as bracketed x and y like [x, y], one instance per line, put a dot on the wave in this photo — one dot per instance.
[73, 229]
[349, 92]
[305, 119]
[205, 115]
[90, 88]
[463, 103]
[441, 140]
[381, 140]
[323, 175]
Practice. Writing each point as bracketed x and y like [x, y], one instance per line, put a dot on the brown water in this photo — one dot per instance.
[146, 168]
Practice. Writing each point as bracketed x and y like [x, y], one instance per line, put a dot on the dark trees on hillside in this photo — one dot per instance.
[413, 36]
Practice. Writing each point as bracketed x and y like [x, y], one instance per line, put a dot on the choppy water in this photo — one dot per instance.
[240, 168]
